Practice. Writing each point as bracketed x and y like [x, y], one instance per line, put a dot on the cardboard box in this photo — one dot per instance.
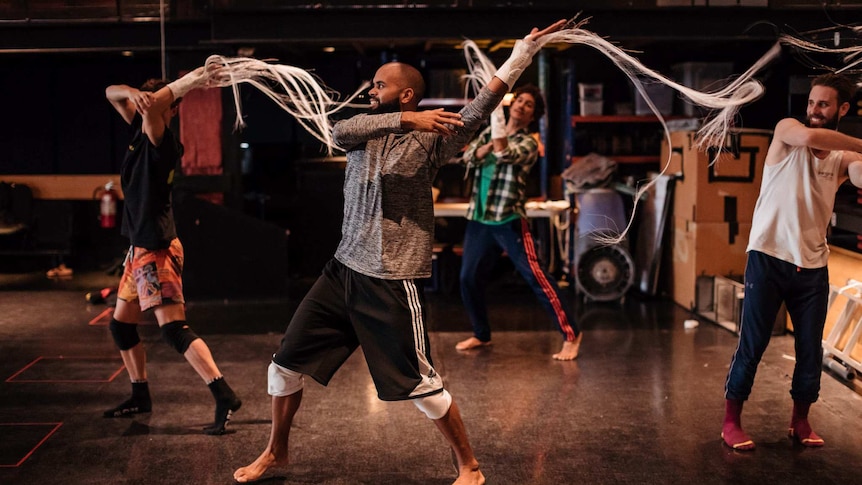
[726, 190]
[705, 248]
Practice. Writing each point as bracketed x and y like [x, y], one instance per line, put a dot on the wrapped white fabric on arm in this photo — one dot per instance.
[521, 57]
[193, 80]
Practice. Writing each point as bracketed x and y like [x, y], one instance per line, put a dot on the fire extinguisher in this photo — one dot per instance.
[107, 205]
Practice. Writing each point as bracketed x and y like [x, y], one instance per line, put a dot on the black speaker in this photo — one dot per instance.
[229, 254]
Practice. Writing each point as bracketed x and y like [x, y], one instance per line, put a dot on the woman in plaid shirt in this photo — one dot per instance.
[501, 158]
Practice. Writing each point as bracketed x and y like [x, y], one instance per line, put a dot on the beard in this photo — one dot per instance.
[388, 107]
[829, 124]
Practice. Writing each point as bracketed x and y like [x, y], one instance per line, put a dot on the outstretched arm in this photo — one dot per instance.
[521, 57]
[793, 133]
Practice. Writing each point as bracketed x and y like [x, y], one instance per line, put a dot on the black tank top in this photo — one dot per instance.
[147, 177]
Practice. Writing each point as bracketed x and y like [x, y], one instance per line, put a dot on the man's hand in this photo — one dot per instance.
[523, 52]
[141, 99]
[535, 34]
[433, 121]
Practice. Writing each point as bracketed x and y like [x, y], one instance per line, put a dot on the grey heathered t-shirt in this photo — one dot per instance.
[388, 225]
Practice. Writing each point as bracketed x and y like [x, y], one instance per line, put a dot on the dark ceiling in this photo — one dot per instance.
[43, 26]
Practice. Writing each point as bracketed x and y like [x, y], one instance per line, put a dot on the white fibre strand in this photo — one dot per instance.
[480, 69]
[301, 94]
[725, 102]
[852, 54]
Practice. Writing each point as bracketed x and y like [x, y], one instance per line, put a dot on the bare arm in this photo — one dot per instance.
[154, 115]
[128, 100]
[793, 133]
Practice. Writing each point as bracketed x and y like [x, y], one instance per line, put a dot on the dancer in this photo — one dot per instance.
[787, 252]
[368, 293]
[501, 157]
[153, 268]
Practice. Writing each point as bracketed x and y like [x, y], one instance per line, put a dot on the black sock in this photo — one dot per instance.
[140, 391]
[226, 404]
[138, 403]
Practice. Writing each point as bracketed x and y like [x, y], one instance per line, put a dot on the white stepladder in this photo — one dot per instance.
[847, 331]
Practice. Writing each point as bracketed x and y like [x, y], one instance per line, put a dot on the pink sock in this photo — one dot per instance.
[731, 429]
[800, 428]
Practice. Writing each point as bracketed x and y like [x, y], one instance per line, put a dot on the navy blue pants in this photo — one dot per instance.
[768, 283]
[483, 245]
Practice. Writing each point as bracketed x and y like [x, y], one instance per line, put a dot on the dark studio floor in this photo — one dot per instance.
[642, 404]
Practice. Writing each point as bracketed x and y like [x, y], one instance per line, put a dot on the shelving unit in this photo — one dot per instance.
[615, 119]
[636, 141]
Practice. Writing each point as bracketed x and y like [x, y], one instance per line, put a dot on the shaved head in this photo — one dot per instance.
[400, 77]
[412, 79]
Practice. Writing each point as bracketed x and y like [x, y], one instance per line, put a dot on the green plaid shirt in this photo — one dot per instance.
[508, 191]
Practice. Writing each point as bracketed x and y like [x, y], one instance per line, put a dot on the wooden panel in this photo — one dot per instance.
[65, 187]
[843, 265]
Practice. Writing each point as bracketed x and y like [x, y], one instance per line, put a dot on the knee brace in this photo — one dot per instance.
[434, 406]
[125, 334]
[178, 335]
[283, 382]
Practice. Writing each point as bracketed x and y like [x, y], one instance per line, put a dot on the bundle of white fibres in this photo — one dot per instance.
[852, 54]
[724, 103]
[480, 69]
[295, 90]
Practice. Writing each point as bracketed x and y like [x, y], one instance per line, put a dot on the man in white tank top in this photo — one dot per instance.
[787, 252]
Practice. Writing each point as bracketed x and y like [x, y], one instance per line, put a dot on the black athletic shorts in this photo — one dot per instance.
[345, 309]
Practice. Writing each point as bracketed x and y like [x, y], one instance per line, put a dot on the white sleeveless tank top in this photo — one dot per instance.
[794, 208]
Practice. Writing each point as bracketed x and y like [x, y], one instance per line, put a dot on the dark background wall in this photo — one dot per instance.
[56, 60]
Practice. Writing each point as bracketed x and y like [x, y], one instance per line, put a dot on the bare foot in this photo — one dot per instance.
[470, 476]
[258, 467]
[570, 349]
[471, 343]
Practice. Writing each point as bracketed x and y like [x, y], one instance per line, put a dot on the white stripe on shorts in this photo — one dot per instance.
[416, 315]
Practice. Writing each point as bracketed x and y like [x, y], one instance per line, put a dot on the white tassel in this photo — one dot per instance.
[480, 69]
[725, 103]
[852, 54]
[301, 94]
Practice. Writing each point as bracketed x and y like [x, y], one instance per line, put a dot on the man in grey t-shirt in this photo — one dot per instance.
[367, 294]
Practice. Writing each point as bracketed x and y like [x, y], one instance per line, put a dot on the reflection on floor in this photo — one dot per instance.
[642, 404]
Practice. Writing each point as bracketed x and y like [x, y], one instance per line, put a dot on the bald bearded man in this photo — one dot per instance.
[370, 293]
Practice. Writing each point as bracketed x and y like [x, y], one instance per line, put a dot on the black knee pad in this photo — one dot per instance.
[178, 335]
[125, 334]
